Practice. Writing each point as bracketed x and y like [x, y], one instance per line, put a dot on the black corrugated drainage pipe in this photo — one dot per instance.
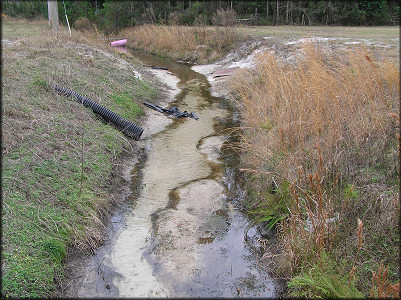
[126, 126]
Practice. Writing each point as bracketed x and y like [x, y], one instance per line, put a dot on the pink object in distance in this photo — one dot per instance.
[119, 43]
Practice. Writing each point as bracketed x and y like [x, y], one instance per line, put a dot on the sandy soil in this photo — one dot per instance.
[211, 147]
[241, 58]
[155, 121]
[181, 231]
[286, 48]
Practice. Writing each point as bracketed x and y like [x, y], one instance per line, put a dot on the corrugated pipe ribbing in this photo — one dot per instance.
[126, 126]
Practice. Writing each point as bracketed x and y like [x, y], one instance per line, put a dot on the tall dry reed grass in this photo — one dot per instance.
[339, 101]
[196, 43]
[320, 123]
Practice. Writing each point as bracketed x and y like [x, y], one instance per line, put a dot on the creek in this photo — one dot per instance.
[180, 231]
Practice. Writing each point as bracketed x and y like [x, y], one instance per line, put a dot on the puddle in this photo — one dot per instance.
[181, 235]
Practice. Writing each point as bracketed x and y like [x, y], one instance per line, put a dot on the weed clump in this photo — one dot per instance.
[84, 24]
[224, 17]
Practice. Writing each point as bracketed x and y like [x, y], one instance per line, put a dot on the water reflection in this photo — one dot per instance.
[220, 262]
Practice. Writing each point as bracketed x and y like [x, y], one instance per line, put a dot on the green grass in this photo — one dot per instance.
[18, 29]
[325, 279]
[267, 207]
[58, 156]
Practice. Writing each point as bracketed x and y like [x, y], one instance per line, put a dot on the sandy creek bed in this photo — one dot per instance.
[181, 235]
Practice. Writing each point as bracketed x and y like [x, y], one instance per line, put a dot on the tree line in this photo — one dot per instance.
[111, 16]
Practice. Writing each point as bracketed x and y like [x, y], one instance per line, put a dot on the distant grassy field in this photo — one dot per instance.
[17, 30]
[385, 39]
[361, 32]
[57, 156]
[384, 32]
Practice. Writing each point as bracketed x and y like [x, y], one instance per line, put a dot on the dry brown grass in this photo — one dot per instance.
[195, 44]
[84, 24]
[339, 101]
[381, 288]
[329, 114]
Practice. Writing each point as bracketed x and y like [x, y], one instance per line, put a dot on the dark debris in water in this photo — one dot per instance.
[156, 67]
[174, 111]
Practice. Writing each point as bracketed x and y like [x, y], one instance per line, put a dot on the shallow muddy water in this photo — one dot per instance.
[179, 233]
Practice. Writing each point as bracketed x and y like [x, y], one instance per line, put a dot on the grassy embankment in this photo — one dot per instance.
[194, 44]
[320, 139]
[57, 156]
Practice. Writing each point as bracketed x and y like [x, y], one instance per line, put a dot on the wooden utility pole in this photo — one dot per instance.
[52, 10]
[48, 11]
